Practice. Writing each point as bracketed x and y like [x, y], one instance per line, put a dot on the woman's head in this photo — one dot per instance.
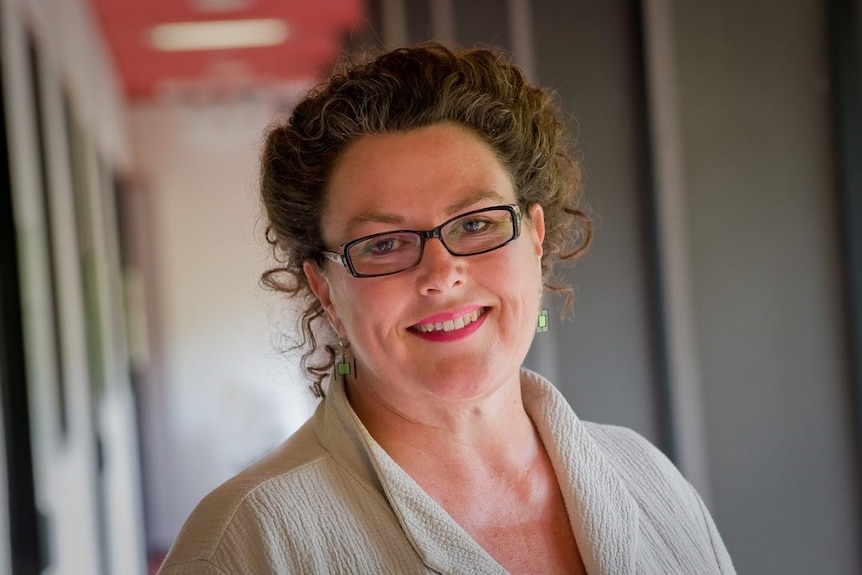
[399, 92]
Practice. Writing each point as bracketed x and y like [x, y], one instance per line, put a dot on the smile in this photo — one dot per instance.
[452, 324]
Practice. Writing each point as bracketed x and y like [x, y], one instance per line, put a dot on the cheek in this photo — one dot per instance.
[529, 285]
[343, 298]
[517, 280]
[528, 268]
[361, 309]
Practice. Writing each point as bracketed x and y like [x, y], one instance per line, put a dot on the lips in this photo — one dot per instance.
[449, 325]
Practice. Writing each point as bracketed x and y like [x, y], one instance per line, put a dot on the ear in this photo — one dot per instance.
[537, 227]
[319, 284]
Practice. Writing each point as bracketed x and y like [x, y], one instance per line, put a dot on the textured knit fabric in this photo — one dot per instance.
[331, 500]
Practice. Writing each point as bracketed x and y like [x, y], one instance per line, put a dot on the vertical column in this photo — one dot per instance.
[443, 21]
[394, 19]
[846, 61]
[683, 371]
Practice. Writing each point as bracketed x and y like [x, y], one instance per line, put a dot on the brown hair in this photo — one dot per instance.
[401, 90]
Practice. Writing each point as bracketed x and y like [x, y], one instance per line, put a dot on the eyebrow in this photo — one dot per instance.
[390, 218]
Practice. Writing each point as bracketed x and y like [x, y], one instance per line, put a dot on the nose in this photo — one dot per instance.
[439, 270]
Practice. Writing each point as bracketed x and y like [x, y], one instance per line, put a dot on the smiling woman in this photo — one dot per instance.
[418, 203]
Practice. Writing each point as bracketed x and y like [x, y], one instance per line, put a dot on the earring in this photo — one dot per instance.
[542, 324]
[342, 368]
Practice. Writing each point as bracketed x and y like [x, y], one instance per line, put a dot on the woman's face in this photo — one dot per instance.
[416, 180]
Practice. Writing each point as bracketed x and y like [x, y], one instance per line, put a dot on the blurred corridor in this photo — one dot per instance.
[719, 314]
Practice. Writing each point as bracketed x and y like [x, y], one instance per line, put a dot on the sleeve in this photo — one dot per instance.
[671, 508]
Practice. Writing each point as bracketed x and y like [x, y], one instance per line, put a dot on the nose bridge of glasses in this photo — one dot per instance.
[435, 233]
[438, 234]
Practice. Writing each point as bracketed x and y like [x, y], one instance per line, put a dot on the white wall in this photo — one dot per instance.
[79, 503]
[225, 395]
[76, 49]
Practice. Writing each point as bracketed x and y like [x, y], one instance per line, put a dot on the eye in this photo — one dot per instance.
[383, 246]
[475, 225]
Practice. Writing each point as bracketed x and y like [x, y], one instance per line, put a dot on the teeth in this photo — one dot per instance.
[452, 324]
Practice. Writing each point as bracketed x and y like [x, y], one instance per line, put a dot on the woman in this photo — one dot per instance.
[418, 202]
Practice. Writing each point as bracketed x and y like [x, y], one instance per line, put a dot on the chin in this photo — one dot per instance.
[455, 381]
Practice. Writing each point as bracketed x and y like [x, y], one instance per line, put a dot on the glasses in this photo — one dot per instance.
[470, 234]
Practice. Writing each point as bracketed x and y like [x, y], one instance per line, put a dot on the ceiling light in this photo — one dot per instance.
[218, 34]
[221, 5]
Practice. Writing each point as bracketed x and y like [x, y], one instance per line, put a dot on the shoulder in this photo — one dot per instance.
[642, 466]
[310, 507]
[231, 514]
[671, 509]
[650, 478]
[301, 455]
[625, 446]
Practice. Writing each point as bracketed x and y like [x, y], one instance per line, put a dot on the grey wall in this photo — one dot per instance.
[755, 105]
[482, 22]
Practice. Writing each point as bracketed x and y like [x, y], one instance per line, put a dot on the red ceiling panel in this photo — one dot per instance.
[316, 30]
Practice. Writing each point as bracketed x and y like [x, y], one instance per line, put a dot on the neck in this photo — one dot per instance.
[492, 432]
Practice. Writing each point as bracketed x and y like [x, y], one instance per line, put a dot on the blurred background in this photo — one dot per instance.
[719, 313]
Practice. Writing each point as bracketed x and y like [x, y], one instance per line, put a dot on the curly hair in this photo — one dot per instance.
[401, 90]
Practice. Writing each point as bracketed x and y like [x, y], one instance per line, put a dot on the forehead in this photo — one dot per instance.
[414, 177]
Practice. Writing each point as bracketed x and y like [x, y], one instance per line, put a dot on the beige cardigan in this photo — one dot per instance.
[330, 500]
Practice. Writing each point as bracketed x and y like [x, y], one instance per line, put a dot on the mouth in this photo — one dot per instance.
[450, 325]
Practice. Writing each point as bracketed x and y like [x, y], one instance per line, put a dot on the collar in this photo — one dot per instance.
[602, 514]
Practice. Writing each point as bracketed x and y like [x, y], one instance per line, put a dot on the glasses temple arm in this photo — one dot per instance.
[335, 256]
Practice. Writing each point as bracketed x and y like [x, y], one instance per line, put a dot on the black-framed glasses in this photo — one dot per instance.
[470, 234]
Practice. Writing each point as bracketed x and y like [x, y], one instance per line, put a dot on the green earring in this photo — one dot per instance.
[343, 366]
[542, 324]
